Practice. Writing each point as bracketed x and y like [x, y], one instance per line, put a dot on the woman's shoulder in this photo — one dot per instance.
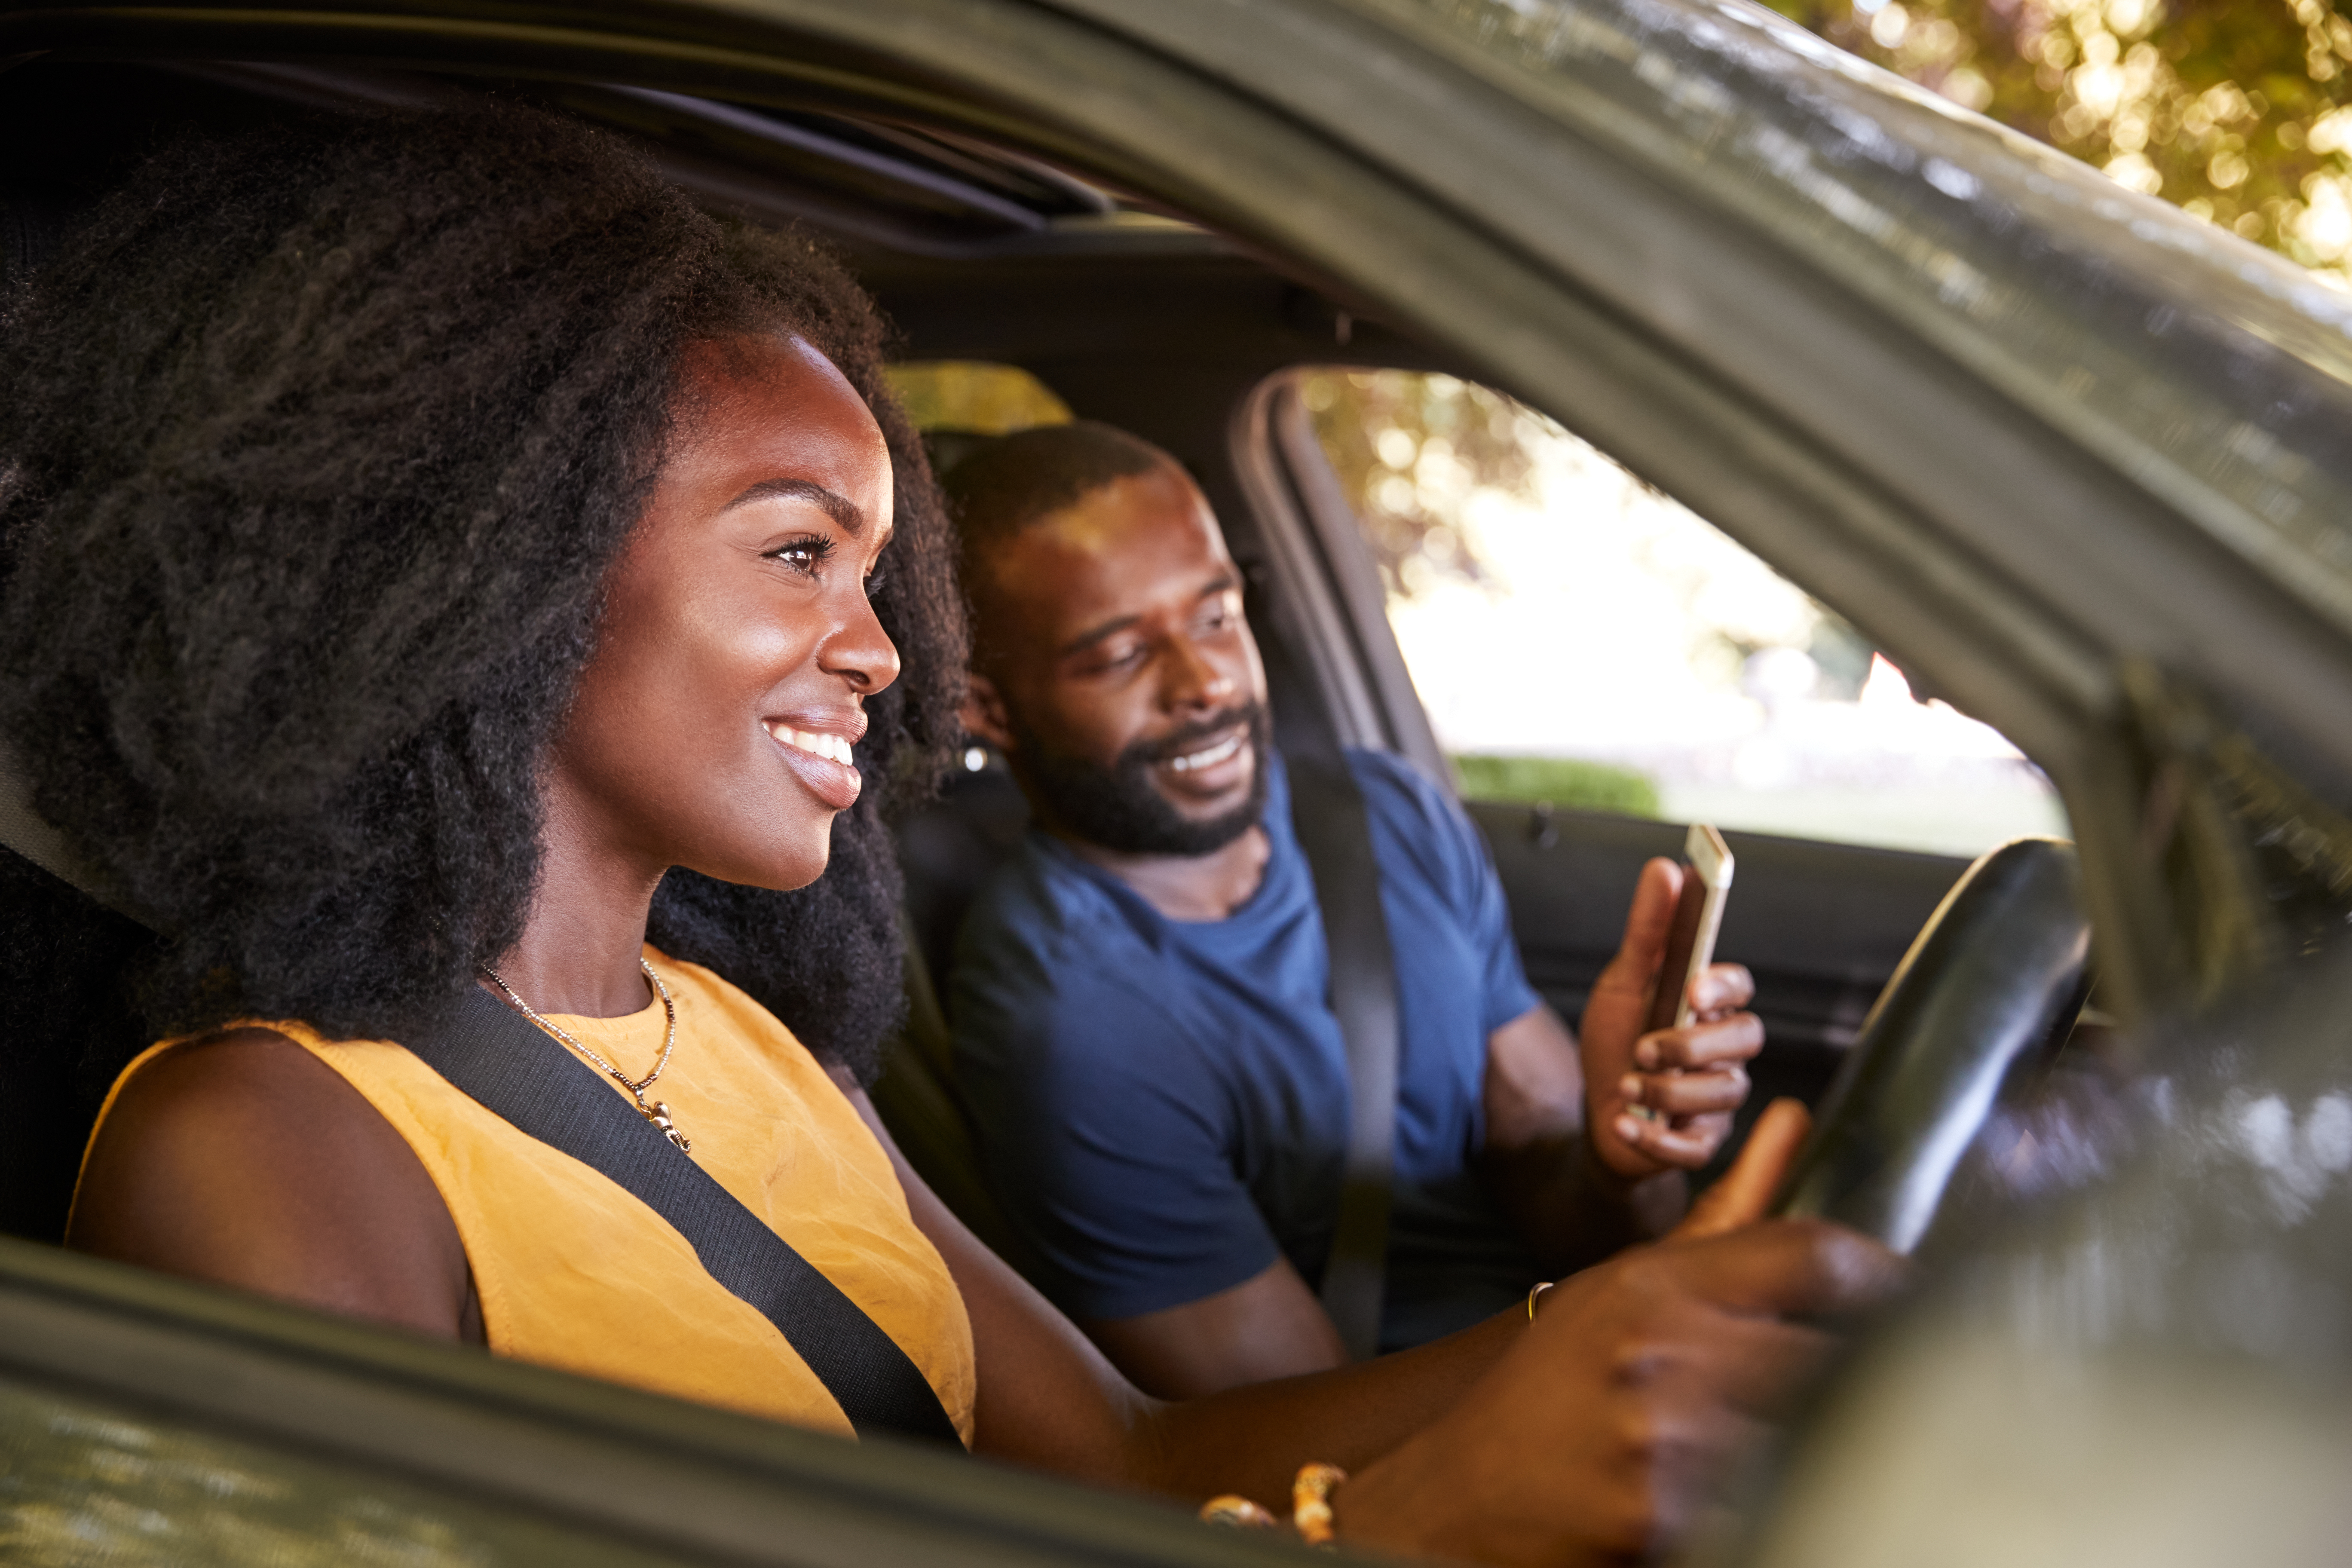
[248, 1085]
[235, 1078]
[243, 1158]
[240, 1105]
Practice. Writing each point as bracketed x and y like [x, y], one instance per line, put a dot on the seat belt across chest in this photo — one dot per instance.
[1328, 813]
[490, 1053]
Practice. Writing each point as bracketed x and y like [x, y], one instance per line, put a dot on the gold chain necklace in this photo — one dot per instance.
[657, 1112]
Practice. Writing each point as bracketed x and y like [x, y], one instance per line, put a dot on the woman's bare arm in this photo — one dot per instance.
[1586, 1437]
[1049, 1398]
[244, 1160]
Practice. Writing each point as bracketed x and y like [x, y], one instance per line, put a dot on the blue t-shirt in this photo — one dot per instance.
[1161, 1105]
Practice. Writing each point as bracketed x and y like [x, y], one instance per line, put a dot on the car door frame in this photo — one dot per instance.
[679, 1481]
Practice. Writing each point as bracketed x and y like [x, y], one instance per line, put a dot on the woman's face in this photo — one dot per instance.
[715, 723]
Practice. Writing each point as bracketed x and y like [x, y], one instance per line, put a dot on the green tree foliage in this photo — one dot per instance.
[1559, 781]
[1408, 448]
[2238, 111]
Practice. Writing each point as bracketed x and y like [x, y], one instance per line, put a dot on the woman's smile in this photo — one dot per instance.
[819, 755]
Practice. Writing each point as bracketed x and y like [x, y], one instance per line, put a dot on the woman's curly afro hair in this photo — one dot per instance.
[317, 448]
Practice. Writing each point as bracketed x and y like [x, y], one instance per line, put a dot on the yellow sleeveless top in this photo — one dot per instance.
[575, 1272]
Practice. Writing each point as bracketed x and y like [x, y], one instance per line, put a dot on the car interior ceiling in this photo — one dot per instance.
[1128, 316]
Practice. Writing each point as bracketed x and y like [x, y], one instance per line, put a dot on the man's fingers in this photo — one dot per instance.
[1686, 1094]
[1686, 1148]
[1646, 924]
[1743, 1194]
[1721, 988]
[1724, 1041]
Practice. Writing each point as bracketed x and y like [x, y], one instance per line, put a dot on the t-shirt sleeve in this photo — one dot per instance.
[1507, 993]
[1105, 1137]
[1465, 867]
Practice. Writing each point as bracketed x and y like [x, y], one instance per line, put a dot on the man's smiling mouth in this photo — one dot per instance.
[832, 748]
[1209, 756]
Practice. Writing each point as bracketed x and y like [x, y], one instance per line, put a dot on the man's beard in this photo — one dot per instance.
[1117, 806]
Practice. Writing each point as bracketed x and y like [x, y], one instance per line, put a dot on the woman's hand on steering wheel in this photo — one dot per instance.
[1639, 1383]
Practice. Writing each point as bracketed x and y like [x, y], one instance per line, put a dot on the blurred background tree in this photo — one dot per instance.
[2234, 110]
[2238, 111]
[1407, 449]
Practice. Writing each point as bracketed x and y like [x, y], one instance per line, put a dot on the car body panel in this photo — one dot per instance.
[2152, 1367]
[520, 1450]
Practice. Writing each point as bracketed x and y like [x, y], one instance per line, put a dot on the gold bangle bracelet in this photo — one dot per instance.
[1538, 1291]
[1310, 1502]
[1237, 1512]
[1310, 1506]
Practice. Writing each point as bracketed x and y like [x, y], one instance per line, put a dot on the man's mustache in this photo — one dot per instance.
[1185, 737]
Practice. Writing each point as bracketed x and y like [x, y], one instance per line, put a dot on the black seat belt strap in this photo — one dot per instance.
[512, 1070]
[1327, 809]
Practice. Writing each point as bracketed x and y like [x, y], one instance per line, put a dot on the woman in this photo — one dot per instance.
[443, 558]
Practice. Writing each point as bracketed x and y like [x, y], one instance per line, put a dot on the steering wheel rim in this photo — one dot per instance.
[1997, 974]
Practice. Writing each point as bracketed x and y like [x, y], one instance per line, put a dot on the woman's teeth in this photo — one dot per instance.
[832, 748]
[1208, 759]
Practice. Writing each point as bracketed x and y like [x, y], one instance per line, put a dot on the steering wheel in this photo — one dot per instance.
[1994, 979]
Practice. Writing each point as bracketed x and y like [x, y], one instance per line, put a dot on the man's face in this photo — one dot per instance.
[1118, 674]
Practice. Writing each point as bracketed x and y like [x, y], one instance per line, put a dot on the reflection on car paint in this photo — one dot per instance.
[81, 1483]
[2156, 1368]
[2215, 374]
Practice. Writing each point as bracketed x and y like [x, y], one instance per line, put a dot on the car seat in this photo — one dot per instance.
[948, 851]
[67, 969]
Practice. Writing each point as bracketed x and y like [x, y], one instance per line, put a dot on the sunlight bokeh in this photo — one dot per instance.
[1573, 611]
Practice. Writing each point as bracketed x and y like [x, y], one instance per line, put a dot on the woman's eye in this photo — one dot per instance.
[803, 555]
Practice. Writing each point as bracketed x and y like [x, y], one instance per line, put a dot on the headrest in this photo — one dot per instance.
[31, 834]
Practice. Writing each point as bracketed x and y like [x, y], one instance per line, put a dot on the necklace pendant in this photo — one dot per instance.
[658, 1114]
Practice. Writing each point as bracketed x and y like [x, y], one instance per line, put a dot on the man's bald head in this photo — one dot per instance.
[1015, 480]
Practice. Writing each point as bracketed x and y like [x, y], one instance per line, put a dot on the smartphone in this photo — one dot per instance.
[1690, 944]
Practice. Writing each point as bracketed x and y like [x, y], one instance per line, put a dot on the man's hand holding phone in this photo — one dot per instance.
[1659, 1095]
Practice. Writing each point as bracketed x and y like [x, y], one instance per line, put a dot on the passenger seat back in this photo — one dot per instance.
[67, 963]
[948, 851]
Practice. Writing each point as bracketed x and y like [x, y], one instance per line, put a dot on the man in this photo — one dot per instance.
[1142, 1028]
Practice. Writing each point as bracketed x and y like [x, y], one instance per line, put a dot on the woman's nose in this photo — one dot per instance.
[859, 650]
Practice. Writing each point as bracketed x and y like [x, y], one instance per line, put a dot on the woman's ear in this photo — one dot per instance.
[983, 714]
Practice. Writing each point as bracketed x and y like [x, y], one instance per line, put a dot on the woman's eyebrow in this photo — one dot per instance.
[841, 508]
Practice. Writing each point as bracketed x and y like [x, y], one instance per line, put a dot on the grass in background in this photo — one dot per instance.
[1559, 781]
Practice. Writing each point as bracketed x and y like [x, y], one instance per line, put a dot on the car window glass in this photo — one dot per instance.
[82, 1482]
[1579, 639]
